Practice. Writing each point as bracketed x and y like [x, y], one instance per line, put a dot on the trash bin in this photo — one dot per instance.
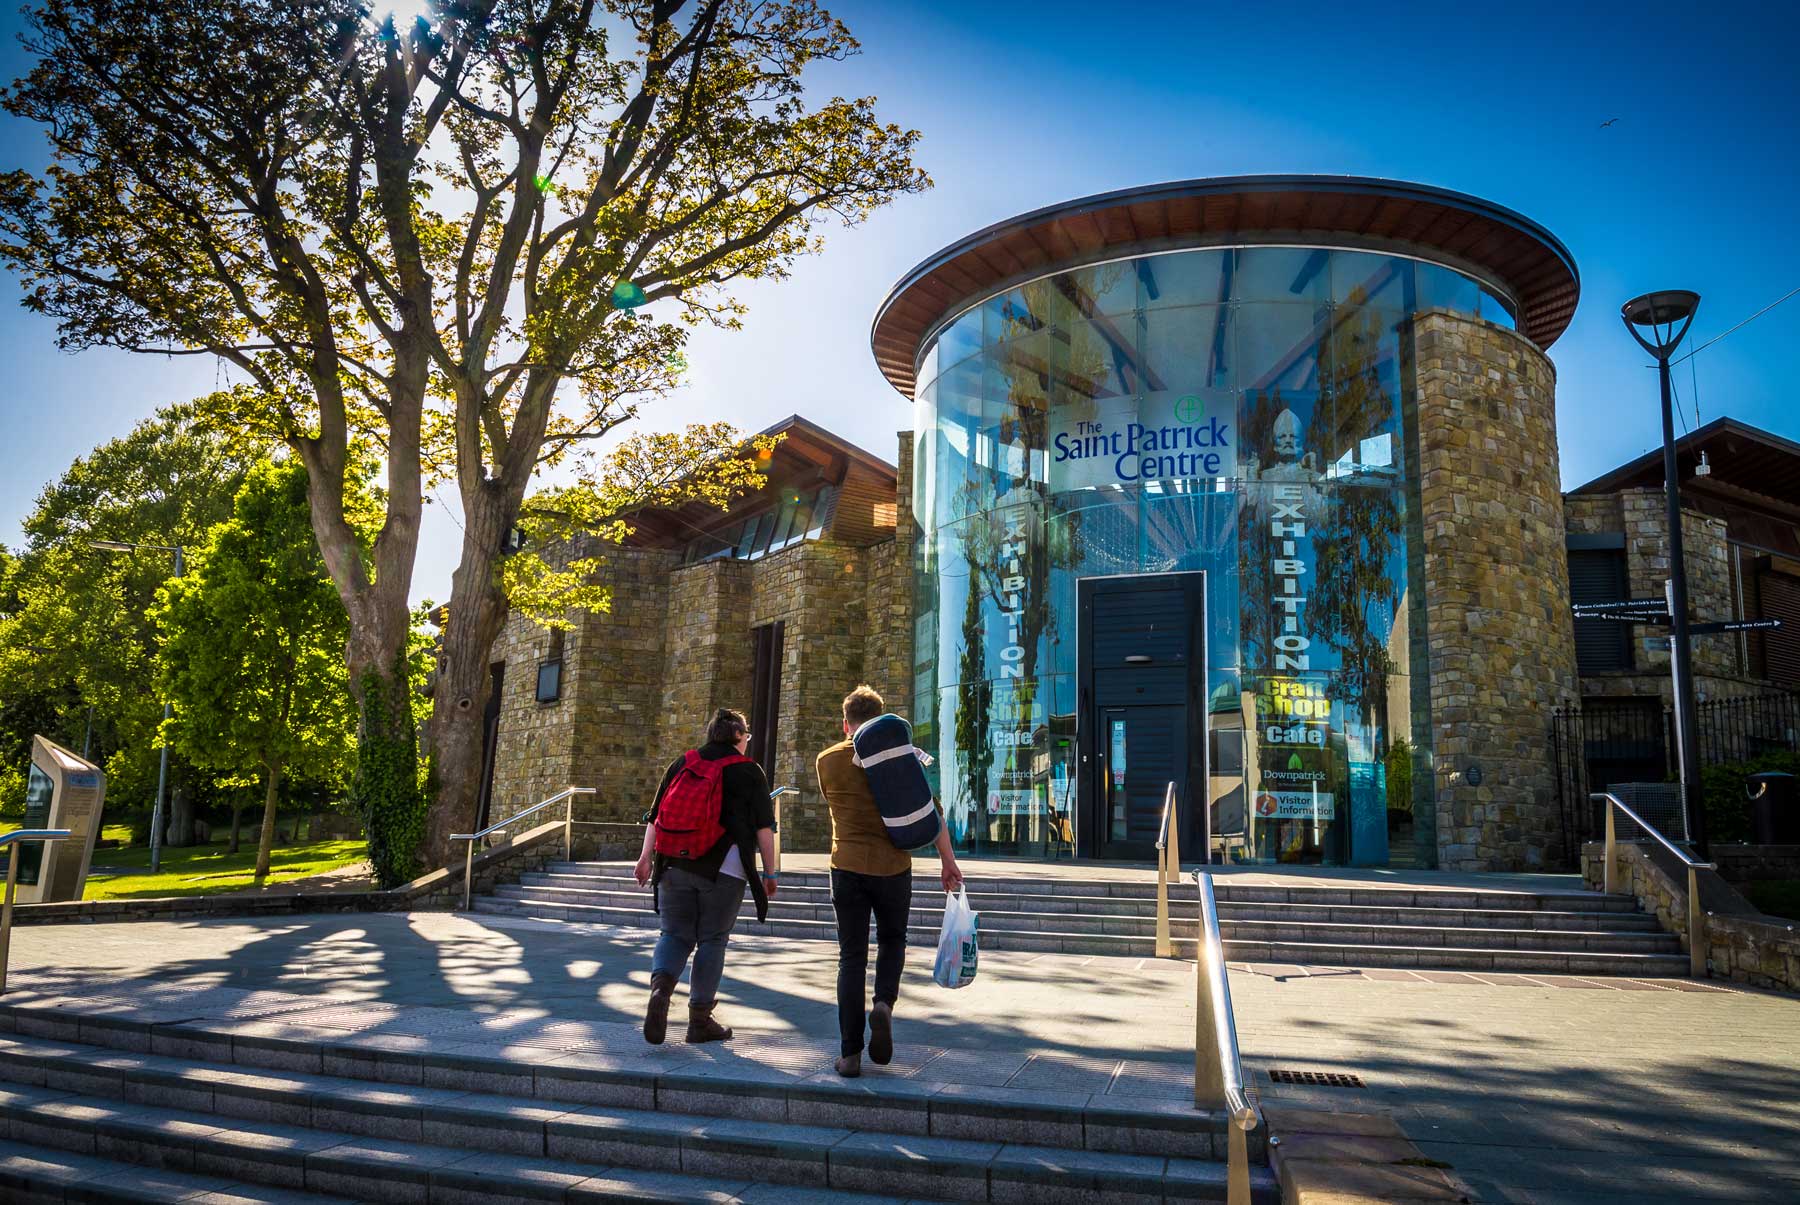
[1774, 808]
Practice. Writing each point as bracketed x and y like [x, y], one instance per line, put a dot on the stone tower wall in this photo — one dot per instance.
[1496, 584]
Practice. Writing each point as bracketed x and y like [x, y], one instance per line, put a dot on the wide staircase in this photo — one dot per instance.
[99, 1105]
[1349, 925]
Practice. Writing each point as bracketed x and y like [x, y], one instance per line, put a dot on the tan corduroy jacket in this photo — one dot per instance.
[859, 839]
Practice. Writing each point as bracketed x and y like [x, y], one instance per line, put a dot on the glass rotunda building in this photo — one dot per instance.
[1241, 493]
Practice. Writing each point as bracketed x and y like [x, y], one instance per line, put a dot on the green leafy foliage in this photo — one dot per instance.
[76, 645]
[252, 641]
[1400, 775]
[1722, 789]
[387, 788]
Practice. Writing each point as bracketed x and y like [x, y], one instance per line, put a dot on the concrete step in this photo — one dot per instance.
[251, 1060]
[36, 1174]
[924, 936]
[1132, 917]
[1278, 945]
[1449, 930]
[411, 1143]
[1224, 889]
[1543, 962]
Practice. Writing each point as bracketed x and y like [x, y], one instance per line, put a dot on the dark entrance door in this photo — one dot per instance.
[1142, 678]
[1143, 752]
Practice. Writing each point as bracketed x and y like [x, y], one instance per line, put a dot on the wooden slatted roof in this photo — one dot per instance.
[1459, 231]
[807, 456]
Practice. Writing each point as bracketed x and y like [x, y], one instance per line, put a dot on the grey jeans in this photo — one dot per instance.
[697, 918]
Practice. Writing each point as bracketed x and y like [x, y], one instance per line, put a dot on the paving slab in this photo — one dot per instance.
[1533, 1087]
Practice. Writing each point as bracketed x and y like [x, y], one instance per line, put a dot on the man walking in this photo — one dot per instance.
[869, 876]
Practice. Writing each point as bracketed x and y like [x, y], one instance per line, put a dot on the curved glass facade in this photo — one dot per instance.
[1242, 411]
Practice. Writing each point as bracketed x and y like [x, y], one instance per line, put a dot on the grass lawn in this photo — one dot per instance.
[1777, 897]
[205, 869]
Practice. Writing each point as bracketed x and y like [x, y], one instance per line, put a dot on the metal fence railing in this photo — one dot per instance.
[1608, 742]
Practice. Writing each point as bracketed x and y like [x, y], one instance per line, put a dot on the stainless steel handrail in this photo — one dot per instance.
[1168, 869]
[1696, 916]
[565, 796]
[1218, 1071]
[11, 841]
[775, 800]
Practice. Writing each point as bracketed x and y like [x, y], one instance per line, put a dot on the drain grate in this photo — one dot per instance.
[1317, 1079]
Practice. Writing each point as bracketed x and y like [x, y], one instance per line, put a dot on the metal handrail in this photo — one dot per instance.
[775, 801]
[565, 796]
[1218, 1070]
[11, 841]
[1696, 917]
[1168, 868]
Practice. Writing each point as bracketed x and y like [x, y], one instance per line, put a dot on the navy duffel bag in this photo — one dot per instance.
[884, 750]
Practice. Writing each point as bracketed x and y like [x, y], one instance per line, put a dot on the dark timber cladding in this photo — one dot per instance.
[1445, 227]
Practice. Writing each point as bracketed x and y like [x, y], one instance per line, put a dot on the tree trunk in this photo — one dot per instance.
[386, 787]
[267, 843]
[477, 613]
[237, 818]
[178, 833]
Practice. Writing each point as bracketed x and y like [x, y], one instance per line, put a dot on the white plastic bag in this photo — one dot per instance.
[958, 949]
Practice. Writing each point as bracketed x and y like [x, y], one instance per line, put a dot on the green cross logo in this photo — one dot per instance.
[1187, 408]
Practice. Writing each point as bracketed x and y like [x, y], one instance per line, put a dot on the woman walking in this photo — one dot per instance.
[711, 818]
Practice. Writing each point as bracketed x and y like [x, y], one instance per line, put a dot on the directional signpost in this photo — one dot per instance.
[1631, 610]
[1733, 625]
[1654, 610]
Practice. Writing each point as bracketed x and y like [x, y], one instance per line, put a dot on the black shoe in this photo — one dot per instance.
[881, 1033]
[848, 1065]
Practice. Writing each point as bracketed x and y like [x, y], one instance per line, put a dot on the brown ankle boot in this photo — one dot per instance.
[702, 1027]
[656, 1016]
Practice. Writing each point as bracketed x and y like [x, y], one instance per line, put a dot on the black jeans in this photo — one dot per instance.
[853, 897]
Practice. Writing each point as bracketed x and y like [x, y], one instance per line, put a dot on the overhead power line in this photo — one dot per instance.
[1739, 326]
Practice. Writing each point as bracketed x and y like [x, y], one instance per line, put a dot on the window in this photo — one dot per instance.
[765, 695]
[1598, 575]
[549, 681]
[798, 517]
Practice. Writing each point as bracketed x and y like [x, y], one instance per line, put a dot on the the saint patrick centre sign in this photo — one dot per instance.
[1166, 436]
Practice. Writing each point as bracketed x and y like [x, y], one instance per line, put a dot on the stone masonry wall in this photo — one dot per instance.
[709, 659]
[595, 734]
[1639, 514]
[822, 591]
[616, 680]
[1496, 586]
[533, 757]
[887, 648]
[1742, 944]
[1593, 514]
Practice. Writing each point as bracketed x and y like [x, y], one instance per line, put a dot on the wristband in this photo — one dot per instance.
[770, 874]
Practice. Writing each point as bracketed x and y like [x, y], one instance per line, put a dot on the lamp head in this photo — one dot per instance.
[112, 546]
[1666, 308]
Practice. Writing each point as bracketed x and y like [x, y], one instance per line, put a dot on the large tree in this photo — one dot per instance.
[441, 233]
[252, 641]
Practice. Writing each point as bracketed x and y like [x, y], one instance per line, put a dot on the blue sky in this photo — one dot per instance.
[1023, 105]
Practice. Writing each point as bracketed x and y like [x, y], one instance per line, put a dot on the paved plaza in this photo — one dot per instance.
[1534, 1088]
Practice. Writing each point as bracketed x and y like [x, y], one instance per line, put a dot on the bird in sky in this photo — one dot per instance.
[1608, 122]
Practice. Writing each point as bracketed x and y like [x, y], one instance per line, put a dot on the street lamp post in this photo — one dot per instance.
[162, 773]
[1659, 321]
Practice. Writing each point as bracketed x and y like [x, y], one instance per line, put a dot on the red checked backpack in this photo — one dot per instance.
[687, 819]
